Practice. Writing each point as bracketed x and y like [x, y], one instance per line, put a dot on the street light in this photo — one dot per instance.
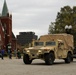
[68, 29]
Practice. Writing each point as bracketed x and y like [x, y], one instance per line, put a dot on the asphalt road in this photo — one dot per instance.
[17, 67]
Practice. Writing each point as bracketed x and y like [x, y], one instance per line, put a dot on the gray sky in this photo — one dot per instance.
[34, 15]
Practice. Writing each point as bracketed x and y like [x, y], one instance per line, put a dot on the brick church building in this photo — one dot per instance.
[7, 38]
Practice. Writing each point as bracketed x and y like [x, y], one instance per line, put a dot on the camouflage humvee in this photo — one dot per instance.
[49, 48]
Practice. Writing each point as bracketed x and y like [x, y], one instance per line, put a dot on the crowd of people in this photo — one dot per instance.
[17, 53]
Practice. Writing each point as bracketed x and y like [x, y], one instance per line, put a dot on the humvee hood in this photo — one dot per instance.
[39, 47]
[47, 47]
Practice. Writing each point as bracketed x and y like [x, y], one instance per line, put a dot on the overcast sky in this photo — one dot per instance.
[34, 15]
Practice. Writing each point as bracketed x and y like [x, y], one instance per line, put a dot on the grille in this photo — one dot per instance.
[33, 51]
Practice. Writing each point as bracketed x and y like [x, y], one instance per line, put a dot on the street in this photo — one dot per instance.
[17, 67]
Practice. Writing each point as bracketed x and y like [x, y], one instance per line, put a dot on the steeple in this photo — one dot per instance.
[5, 9]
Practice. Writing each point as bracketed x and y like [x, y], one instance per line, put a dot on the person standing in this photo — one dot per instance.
[15, 53]
[18, 54]
[2, 53]
[10, 54]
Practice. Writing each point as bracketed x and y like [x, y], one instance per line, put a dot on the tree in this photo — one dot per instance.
[66, 16]
[51, 28]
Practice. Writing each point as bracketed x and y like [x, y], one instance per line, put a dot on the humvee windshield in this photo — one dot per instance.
[51, 43]
[39, 43]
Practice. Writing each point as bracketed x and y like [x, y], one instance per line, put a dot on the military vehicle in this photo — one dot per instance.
[50, 47]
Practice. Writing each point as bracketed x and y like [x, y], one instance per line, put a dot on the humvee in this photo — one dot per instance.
[50, 47]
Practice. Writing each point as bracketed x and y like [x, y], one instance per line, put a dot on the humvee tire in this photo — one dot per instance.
[26, 59]
[49, 58]
[68, 59]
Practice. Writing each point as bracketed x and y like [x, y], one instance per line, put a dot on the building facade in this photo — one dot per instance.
[6, 34]
[24, 38]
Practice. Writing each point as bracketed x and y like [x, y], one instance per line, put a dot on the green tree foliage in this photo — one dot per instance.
[51, 28]
[66, 16]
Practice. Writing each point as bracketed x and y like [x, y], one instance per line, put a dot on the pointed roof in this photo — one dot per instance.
[5, 9]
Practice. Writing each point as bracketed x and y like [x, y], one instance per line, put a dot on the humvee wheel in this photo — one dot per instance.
[68, 59]
[49, 58]
[26, 59]
[71, 58]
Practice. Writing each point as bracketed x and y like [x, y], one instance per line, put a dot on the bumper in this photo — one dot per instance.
[36, 54]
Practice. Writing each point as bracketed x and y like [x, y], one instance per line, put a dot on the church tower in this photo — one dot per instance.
[5, 9]
[6, 20]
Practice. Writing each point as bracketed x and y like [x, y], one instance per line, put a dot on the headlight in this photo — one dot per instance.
[27, 51]
[39, 51]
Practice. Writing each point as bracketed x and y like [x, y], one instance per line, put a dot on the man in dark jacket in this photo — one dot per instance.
[2, 53]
